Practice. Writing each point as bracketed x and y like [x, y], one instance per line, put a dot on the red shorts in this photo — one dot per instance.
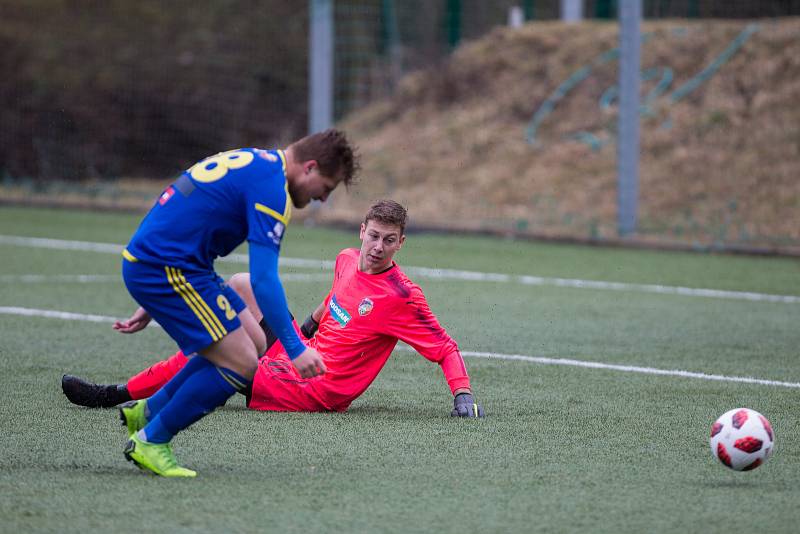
[278, 387]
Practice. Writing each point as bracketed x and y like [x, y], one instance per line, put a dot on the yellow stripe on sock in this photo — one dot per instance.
[179, 290]
[203, 306]
[238, 386]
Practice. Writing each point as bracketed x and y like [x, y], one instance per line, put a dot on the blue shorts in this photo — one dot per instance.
[196, 308]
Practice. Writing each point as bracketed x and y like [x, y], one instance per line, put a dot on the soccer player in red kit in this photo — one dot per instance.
[370, 307]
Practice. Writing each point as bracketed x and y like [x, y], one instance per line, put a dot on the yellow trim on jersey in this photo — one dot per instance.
[283, 160]
[197, 305]
[128, 256]
[287, 209]
[272, 213]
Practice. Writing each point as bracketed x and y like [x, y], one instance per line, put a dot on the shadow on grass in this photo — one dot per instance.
[745, 484]
[388, 412]
[123, 469]
[404, 412]
[750, 484]
[71, 406]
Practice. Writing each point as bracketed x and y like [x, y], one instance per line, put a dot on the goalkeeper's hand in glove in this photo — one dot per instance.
[309, 327]
[465, 406]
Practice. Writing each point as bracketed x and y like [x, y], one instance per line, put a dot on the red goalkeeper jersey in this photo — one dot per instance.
[365, 316]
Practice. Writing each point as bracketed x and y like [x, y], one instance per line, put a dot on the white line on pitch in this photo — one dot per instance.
[53, 314]
[68, 316]
[32, 312]
[113, 248]
[442, 274]
[107, 278]
[631, 369]
[59, 278]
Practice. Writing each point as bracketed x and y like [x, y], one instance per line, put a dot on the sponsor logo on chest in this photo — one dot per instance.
[338, 312]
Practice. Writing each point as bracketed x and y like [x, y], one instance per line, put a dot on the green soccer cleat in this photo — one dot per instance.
[155, 457]
[132, 415]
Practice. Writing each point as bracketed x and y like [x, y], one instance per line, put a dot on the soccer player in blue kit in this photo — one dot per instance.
[214, 206]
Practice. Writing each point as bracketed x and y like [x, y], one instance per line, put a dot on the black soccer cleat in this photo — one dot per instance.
[84, 393]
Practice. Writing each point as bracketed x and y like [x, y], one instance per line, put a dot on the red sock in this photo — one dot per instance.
[144, 384]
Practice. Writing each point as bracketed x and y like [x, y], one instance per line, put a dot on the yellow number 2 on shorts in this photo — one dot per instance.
[225, 305]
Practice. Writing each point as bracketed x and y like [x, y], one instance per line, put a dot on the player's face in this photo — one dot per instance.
[379, 243]
[311, 185]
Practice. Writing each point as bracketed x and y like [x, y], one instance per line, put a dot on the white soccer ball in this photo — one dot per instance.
[742, 439]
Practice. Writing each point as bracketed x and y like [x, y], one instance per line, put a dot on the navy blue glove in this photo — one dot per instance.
[465, 406]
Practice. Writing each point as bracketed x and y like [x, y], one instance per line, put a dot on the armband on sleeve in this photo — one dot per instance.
[309, 327]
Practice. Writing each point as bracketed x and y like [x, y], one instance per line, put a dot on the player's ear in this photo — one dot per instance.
[309, 166]
[361, 234]
[401, 241]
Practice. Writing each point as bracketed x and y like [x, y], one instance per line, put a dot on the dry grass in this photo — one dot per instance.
[719, 167]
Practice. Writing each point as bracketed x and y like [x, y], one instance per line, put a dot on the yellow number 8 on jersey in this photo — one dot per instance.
[213, 168]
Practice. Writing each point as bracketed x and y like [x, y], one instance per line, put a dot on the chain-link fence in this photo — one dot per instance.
[106, 91]
[100, 89]
[378, 41]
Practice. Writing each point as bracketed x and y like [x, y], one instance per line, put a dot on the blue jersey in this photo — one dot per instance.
[213, 207]
[206, 213]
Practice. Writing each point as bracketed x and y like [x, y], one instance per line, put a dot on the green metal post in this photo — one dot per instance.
[453, 22]
[693, 11]
[390, 40]
[529, 8]
[605, 9]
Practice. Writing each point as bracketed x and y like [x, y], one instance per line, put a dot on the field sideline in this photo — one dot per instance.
[572, 442]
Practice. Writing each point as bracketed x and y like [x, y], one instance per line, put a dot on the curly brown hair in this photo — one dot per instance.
[332, 152]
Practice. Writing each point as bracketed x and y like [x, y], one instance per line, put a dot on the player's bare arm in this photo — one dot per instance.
[311, 324]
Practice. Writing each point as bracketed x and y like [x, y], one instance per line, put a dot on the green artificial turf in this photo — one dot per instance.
[563, 448]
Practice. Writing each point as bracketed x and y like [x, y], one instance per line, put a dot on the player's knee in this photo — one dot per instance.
[240, 282]
[260, 341]
[236, 351]
[254, 331]
[245, 366]
[247, 359]
[250, 368]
